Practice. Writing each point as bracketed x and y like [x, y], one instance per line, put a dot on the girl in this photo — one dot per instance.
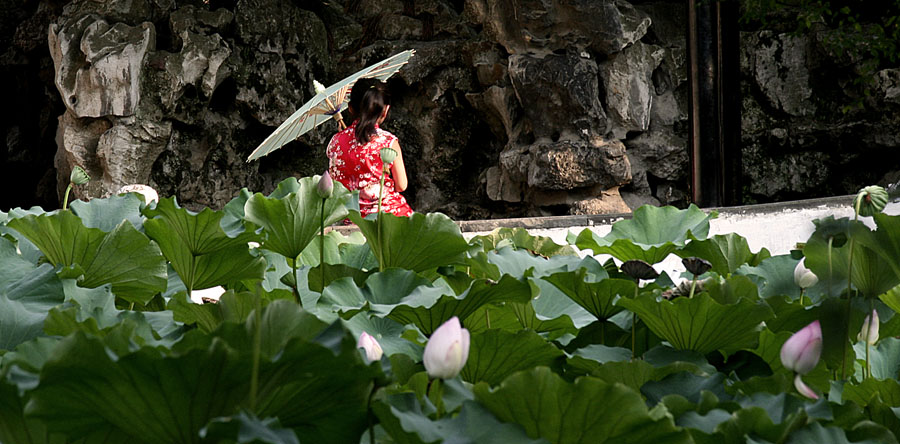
[354, 154]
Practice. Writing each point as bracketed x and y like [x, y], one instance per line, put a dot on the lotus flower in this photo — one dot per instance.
[149, 193]
[804, 389]
[801, 351]
[803, 276]
[325, 186]
[447, 350]
[371, 346]
[869, 331]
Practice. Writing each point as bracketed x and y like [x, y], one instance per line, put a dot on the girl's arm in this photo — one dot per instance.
[398, 171]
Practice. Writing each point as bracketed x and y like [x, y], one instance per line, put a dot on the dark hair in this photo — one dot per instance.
[368, 98]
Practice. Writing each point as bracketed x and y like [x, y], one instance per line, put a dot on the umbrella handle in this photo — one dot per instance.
[340, 120]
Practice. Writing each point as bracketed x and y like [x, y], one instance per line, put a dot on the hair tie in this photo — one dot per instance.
[371, 86]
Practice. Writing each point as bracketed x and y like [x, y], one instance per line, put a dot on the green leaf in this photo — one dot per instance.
[563, 413]
[387, 332]
[246, 428]
[106, 214]
[519, 238]
[701, 323]
[292, 221]
[725, 252]
[884, 358]
[123, 257]
[651, 235]
[597, 298]
[884, 240]
[199, 250]
[26, 295]
[815, 433]
[496, 354]
[402, 416]
[145, 395]
[418, 243]
[777, 274]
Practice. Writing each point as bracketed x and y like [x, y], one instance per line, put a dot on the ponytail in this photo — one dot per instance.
[368, 99]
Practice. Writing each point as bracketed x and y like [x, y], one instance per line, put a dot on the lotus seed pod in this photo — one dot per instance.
[637, 269]
[871, 200]
[696, 266]
[388, 155]
[79, 176]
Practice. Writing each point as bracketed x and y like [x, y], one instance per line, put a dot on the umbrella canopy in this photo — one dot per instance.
[327, 104]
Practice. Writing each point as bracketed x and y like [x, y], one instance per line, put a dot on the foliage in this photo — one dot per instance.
[101, 343]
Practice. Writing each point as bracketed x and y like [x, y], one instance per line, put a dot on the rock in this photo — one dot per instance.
[664, 153]
[888, 81]
[500, 187]
[609, 202]
[400, 27]
[567, 164]
[540, 27]
[200, 64]
[98, 65]
[628, 87]
[78, 140]
[779, 64]
[787, 174]
[128, 150]
[560, 96]
[500, 109]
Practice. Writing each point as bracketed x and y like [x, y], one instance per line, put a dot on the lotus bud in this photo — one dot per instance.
[79, 176]
[869, 331]
[871, 200]
[637, 269]
[696, 266]
[801, 351]
[325, 186]
[371, 346]
[804, 277]
[320, 88]
[804, 389]
[388, 155]
[447, 350]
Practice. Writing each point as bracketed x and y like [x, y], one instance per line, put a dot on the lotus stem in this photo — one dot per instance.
[322, 244]
[634, 318]
[849, 294]
[257, 345]
[294, 279]
[66, 198]
[693, 286]
[378, 222]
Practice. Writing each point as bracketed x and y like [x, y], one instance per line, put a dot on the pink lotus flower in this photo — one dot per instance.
[801, 351]
[447, 350]
[325, 186]
[371, 346]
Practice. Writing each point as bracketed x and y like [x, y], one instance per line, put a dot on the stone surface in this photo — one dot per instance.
[779, 64]
[609, 202]
[629, 89]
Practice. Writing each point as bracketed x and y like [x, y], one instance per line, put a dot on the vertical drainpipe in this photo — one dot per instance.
[714, 102]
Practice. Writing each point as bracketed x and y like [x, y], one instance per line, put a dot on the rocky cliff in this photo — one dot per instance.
[509, 107]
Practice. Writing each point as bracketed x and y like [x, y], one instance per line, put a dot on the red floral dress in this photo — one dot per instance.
[358, 167]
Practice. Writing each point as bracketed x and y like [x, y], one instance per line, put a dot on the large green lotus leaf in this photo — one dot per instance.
[519, 238]
[333, 273]
[27, 293]
[496, 354]
[597, 361]
[547, 406]
[884, 240]
[480, 292]
[124, 257]
[733, 289]
[419, 242]
[551, 303]
[816, 433]
[597, 298]
[200, 251]
[332, 255]
[872, 274]
[320, 392]
[726, 252]
[17, 374]
[701, 323]
[402, 417]
[529, 318]
[776, 276]
[521, 263]
[246, 428]
[28, 250]
[382, 292]
[106, 214]
[650, 235]
[884, 358]
[146, 395]
[292, 221]
[233, 219]
[387, 332]
[489, 317]
[232, 307]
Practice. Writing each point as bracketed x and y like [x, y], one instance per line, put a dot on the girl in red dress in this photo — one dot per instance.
[354, 154]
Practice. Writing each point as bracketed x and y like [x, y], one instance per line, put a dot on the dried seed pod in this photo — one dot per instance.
[637, 269]
[696, 266]
[871, 200]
